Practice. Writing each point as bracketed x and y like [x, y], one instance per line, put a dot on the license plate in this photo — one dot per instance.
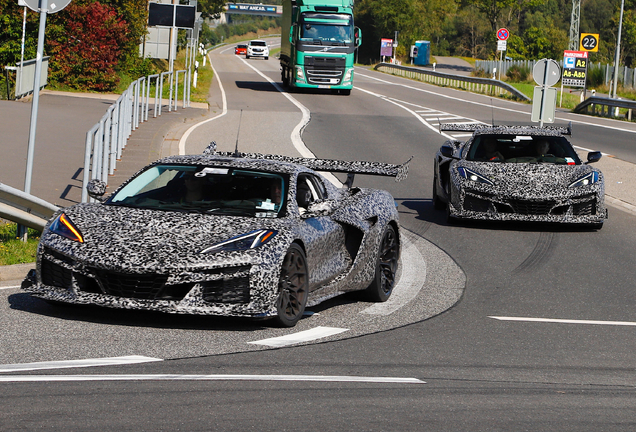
[324, 86]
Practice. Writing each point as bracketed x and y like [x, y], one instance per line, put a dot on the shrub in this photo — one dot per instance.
[518, 73]
[86, 47]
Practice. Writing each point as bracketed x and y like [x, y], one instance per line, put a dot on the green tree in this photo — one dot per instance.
[86, 45]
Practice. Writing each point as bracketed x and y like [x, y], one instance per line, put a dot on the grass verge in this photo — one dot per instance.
[14, 250]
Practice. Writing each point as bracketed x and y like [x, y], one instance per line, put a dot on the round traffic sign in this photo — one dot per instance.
[51, 7]
[589, 42]
[546, 72]
[503, 34]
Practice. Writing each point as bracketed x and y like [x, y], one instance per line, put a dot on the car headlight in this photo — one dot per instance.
[300, 75]
[587, 179]
[348, 76]
[63, 226]
[251, 240]
[474, 176]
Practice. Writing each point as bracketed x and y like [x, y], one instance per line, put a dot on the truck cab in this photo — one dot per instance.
[318, 43]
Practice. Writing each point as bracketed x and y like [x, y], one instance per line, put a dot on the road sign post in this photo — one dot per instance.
[41, 6]
[546, 73]
[503, 35]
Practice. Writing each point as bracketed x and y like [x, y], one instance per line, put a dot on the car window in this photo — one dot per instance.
[308, 190]
[258, 43]
[205, 189]
[522, 149]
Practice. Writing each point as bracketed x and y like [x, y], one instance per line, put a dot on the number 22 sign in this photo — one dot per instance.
[589, 42]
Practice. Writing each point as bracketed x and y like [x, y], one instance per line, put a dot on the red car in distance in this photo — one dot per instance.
[240, 49]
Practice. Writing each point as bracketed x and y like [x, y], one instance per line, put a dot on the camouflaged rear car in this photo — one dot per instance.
[224, 234]
[517, 173]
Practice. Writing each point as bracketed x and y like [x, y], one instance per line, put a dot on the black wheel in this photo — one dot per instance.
[292, 287]
[266, 58]
[386, 267]
[247, 57]
[437, 203]
[345, 92]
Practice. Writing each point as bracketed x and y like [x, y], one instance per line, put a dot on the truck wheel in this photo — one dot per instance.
[345, 92]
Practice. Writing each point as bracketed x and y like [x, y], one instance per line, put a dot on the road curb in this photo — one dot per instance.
[15, 271]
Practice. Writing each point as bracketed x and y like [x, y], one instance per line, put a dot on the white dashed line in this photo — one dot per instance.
[300, 337]
[565, 321]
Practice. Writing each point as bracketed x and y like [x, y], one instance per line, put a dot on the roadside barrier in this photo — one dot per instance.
[474, 84]
[106, 140]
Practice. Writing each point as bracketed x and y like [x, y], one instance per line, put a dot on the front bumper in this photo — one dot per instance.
[258, 54]
[221, 290]
[577, 208]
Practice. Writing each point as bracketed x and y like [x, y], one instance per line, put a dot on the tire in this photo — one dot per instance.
[292, 287]
[345, 92]
[266, 58]
[246, 57]
[385, 267]
[437, 203]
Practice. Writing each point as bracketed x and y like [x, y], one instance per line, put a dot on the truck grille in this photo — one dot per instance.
[324, 70]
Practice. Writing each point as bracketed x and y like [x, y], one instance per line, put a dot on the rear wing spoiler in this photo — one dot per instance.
[400, 172]
[517, 130]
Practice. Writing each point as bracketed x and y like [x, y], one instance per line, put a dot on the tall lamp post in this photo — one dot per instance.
[618, 50]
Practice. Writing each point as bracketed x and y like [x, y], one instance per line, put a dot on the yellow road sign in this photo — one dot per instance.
[589, 42]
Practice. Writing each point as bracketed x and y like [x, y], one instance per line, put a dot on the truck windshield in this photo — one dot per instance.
[327, 28]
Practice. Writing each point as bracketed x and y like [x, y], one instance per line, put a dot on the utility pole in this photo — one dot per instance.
[617, 58]
[574, 25]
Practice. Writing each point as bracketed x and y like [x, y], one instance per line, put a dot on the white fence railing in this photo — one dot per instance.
[626, 76]
[106, 140]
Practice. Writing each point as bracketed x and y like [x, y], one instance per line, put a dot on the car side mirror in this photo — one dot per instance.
[447, 151]
[594, 156]
[96, 189]
[320, 208]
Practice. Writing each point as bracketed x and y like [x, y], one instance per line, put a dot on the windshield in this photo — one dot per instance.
[522, 149]
[209, 190]
[327, 28]
[258, 43]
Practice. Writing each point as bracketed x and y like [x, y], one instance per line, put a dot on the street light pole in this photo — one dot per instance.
[618, 49]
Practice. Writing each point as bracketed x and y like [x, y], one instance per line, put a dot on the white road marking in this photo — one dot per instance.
[300, 337]
[9, 287]
[184, 138]
[172, 377]
[410, 284]
[584, 122]
[64, 364]
[565, 321]
[296, 135]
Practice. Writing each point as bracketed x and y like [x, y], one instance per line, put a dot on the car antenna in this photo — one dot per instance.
[236, 152]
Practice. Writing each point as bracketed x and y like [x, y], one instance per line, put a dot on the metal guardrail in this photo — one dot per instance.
[607, 105]
[479, 85]
[24, 208]
[106, 140]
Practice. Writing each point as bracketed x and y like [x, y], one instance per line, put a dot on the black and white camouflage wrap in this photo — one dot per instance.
[519, 191]
[163, 249]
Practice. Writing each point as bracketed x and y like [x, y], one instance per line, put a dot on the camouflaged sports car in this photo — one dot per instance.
[224, 234]
[517, 173]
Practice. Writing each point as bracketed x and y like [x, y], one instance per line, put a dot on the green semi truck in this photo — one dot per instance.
[318, 43]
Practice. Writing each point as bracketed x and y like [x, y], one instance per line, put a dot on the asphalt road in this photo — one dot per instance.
[541, 339]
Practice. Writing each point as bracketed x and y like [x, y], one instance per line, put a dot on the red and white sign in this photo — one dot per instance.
[503, 34]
